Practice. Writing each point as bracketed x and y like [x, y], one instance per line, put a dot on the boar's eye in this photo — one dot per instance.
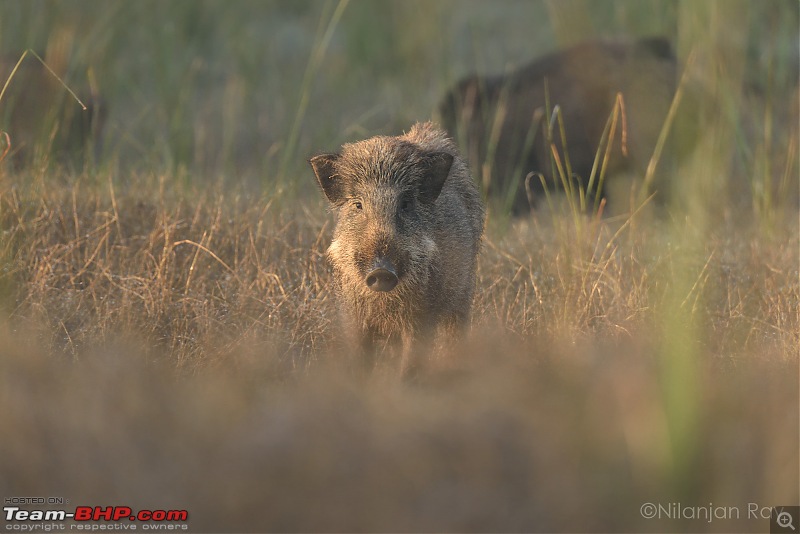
[358, 205]
[406, 204]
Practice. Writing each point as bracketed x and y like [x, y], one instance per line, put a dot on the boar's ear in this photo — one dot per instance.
[437, 167]
[324, 167]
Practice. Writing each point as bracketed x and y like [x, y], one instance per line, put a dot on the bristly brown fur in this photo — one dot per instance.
[409, 199]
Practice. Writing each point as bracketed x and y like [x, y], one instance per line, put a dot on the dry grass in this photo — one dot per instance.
[167, 349]
[190, 279]
[194, 274]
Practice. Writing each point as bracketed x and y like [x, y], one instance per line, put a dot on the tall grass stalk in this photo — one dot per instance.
[519, 170]
[46, 66]
[318, 51]
[607, 140]
[652, 164]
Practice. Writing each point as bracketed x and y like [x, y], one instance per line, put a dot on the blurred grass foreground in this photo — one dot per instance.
[168, 336]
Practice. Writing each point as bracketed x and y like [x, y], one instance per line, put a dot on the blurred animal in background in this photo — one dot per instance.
[500, 121]
[43, 120]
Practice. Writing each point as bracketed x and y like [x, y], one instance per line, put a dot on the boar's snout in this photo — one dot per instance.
[383, 276]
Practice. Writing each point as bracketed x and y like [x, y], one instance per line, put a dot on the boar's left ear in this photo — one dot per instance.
[437, 168]
[324, 167]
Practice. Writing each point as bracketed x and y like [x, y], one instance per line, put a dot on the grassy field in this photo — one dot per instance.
[168, 332]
